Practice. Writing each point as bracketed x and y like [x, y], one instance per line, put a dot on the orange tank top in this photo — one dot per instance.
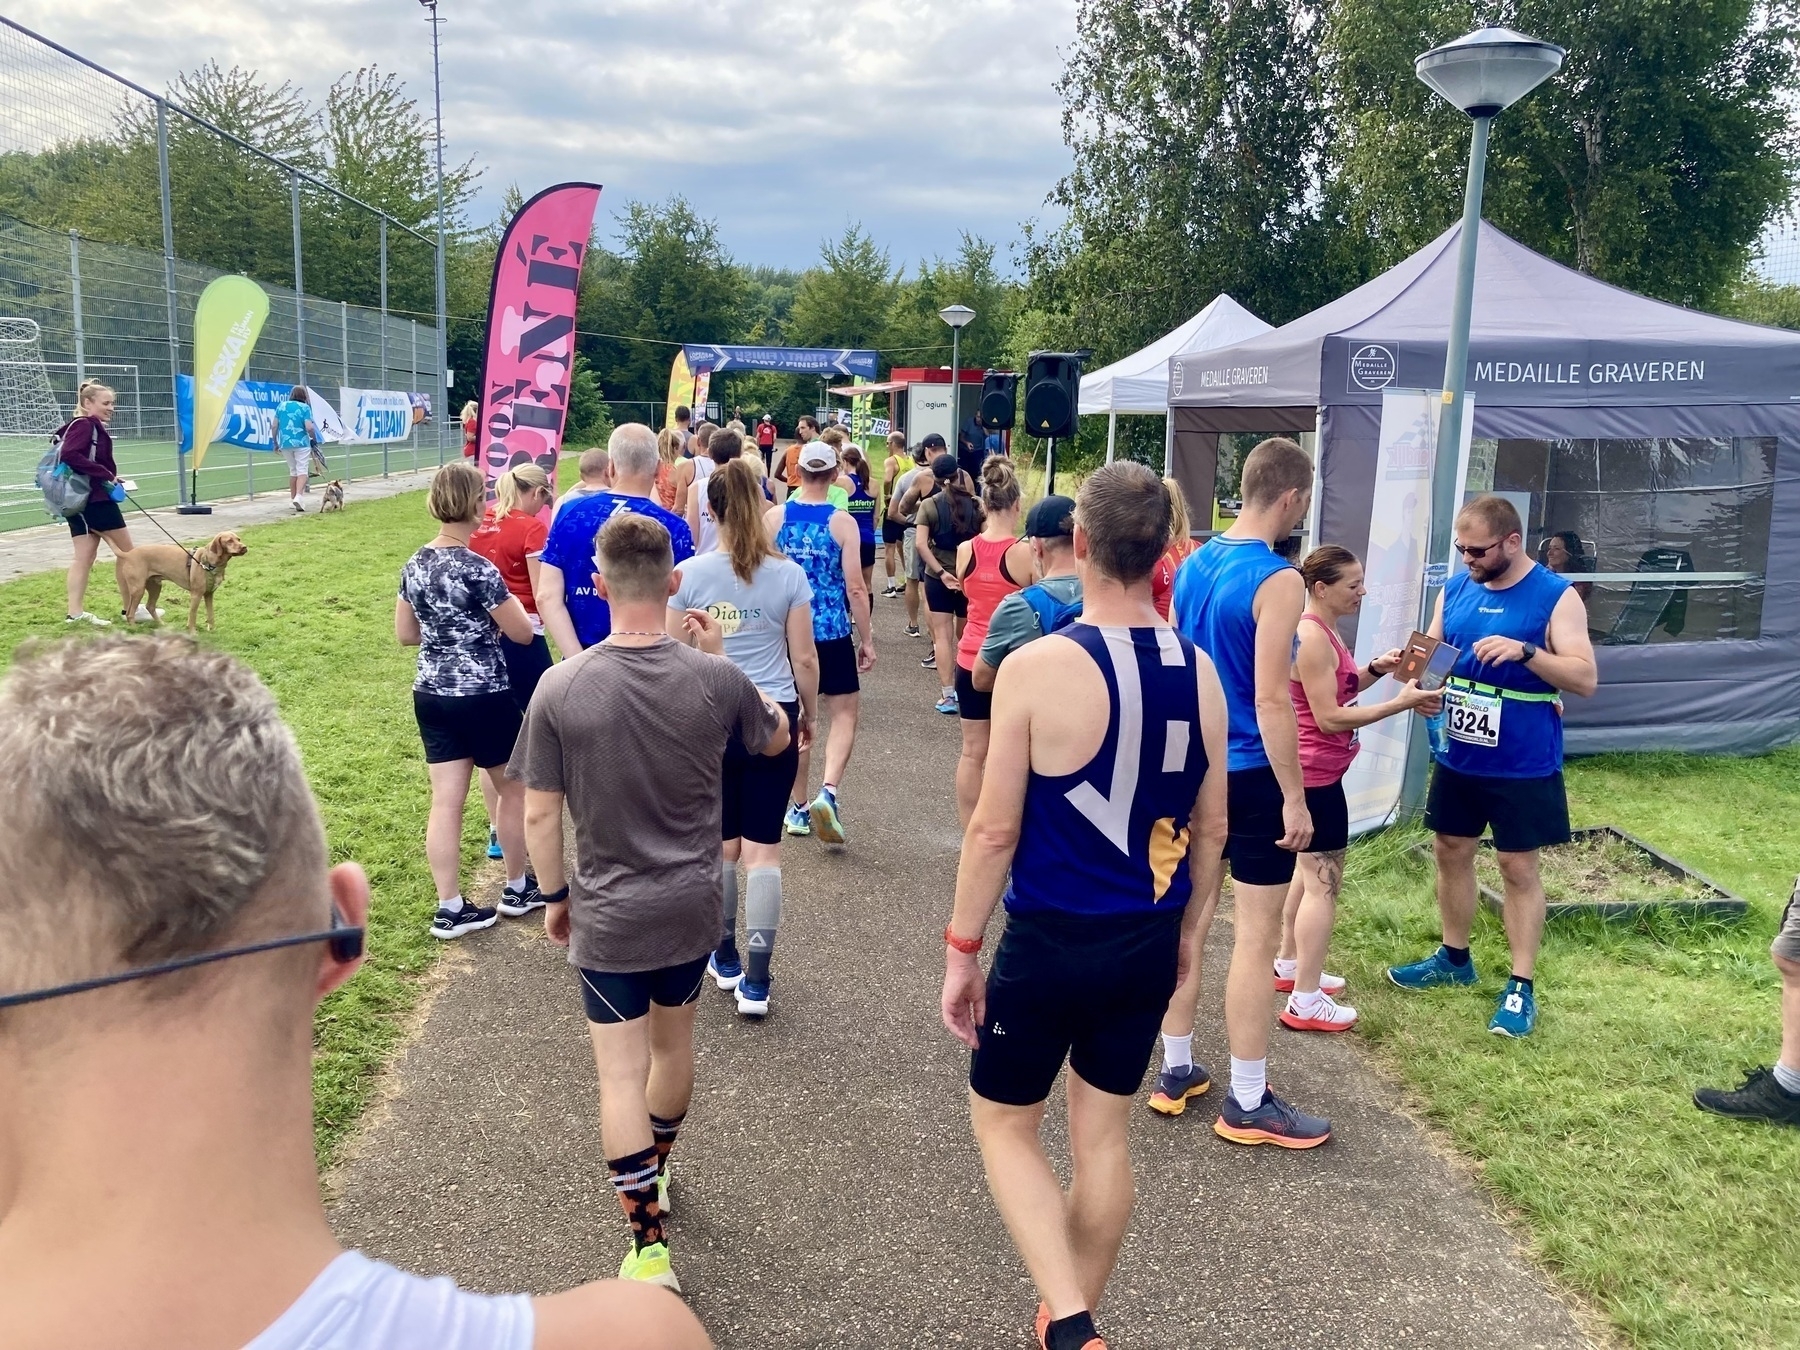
[985, 586]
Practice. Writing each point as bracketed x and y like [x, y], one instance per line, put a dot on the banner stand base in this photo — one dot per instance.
[193, 509]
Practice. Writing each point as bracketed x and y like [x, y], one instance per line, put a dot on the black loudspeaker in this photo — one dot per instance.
[1052, 389]
[999, 398]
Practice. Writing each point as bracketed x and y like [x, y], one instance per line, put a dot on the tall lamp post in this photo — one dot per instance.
[958, 317]
[443, 304]
[1483, 73]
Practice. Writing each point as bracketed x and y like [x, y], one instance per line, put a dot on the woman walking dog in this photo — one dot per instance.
[87, 449]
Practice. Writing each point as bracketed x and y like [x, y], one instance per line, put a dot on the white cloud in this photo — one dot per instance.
[782, 119]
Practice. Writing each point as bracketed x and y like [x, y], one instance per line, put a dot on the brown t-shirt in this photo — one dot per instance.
[640, 774]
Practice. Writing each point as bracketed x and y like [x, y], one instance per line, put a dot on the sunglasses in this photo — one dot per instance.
[1477, 550]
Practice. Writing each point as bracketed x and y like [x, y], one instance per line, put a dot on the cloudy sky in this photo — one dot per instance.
[783, 119]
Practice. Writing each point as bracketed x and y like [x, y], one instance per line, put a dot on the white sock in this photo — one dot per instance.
[454, 904]
[1285, 968]
[1787, 1078]
[949, 691]
[1178, 1052]
[1304, 1005]
[1248, 1079]
[516, 884]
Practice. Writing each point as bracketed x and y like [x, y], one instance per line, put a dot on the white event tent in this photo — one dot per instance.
[1139, 383]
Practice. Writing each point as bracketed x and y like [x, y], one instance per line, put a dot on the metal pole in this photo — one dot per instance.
[955, 375]
[413, 328]
[1112, 431]
[344, 329]
[299, 286]
[75, 306]
[443, 322]
[168, 231]
[1050, 466]
[384, 313]
[1445, 489]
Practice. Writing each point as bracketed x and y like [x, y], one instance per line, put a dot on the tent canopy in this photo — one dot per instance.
[1139, 383]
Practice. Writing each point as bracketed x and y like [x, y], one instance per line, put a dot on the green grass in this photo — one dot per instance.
[1679, 1224]
[311, 609]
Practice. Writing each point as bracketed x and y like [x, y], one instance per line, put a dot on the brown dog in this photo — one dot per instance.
[199, 571]
[334, 496]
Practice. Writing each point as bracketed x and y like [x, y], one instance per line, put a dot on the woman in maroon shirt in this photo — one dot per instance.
[87, 449]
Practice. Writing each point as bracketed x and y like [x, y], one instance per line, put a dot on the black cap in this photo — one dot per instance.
[944, 466]
[1052, 518]
[933, 442]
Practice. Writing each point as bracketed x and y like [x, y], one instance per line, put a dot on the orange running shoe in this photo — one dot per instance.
[1042, 1327]
[1173, 1088]
[1272, 1122]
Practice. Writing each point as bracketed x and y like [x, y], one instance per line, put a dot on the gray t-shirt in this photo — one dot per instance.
[903, 485]
[642, 788]
[753, 616]
[1015, 622]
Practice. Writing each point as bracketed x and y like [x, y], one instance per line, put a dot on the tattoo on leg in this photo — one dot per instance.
[1331, 871]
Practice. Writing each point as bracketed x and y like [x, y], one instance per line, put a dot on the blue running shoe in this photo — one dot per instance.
[824, 815]
[1272, 1122]
[799, 822]
[726, 970]
[1517, 1013]
[494, 849]
[1434, 970]
[949, 705]
[752, 999]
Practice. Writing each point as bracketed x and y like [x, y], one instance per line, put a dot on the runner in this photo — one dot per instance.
[822, 539]
[668, 453]
[683, 431]
[993, 565]
[222, 1240]
[574, 613]
[762, 603]
[1772, 1094]
[1181, 544]
[1049, 603]
[861, 506]
[686, 471]
[1522, 631]
[595, 468]
[1324, 684]
[902, 508]
[765, 442]
[721, 448]
[945, 522]
[454, 607]
[1238, 601]
[893, 530]
[806, 430]
[1104, 858]
[640, 914]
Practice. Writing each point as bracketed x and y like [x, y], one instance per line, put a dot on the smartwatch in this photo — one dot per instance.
[555, 897]
[1527, 650]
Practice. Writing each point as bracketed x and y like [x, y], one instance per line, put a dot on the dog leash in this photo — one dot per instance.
[192, 556]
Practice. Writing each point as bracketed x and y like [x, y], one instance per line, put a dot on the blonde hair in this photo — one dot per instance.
[91, 391]
[668, 445]
[835, 436]
[512, 486]
[999, 485]
[470, 409]
[458, 493]
[1181, 525]
[734, 495]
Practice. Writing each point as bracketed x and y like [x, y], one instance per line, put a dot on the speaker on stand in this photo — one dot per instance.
[1052, 397]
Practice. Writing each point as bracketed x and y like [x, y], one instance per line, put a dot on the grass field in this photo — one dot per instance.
[1679, 1224]
[228, 471]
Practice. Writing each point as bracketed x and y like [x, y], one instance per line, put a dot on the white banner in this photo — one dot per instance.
[1394, 576]
[325, 418]
[372, 416]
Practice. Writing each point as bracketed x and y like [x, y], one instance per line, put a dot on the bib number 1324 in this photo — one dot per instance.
[1473, 719]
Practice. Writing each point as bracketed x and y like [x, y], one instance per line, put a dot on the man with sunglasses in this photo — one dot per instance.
[1522, 633]
[174, 924]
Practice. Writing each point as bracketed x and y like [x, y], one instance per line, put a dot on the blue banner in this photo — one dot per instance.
[792, 360]
[249, 413]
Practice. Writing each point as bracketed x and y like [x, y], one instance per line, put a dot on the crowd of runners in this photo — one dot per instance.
[1139, 716]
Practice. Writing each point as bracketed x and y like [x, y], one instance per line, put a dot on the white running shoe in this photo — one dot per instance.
[1328, 983]
[1318, 1013]
[144, 615]
[85, 617]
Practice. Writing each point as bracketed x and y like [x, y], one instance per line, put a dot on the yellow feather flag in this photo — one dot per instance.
[681, 387]
[227, 322]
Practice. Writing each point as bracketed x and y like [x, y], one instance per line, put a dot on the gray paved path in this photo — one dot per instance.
[826, 1188]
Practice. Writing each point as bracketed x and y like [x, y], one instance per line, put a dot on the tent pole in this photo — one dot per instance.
[1169, 445]
[1112, 431]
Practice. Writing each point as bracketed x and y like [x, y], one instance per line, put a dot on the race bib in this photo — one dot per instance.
[1472, 718]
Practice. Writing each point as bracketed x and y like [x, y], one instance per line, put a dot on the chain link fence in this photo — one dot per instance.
[95, 172]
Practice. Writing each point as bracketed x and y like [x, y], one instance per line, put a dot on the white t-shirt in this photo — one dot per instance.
[359, 1304]
[753, 617]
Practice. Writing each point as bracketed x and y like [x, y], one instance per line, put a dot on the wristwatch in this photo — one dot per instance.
[1527, 650]
[556, 897]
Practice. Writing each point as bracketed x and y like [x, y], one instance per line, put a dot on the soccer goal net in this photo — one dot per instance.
[28, 405]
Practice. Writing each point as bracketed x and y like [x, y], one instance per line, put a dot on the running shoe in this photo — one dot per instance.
[929, 660]
[1325, 1015]
[649, 1266]
[799, 821]
[662, 1192]
[1174, 1087]
[949, 705]
[1272, 1122]
[752, 999]
[1434, 970]
[824, 815]
[144, 615]
[494, 849]
[514, 903]
[1041, 1326]
[912, 630]
[1759, 1098]
[85, 617]
[1328, 983]
[1516, 1014]
[726, 970]
[453, 923]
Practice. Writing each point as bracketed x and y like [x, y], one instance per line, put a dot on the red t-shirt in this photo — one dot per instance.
[765, 434]
[1162, 580]
[505, 544]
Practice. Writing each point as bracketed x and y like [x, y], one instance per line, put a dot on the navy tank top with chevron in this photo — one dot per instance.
[805, 536]
[1112, 837]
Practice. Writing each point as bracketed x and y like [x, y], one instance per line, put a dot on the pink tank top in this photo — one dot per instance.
[985, 586]
[1325, 755]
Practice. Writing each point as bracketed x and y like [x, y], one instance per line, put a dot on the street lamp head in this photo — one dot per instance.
[1489, 69]
[430, 5]
[957, 316]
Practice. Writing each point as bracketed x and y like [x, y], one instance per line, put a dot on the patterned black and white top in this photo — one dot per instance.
[451, 591]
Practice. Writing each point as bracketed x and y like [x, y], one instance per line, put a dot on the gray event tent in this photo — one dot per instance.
[1653, 449]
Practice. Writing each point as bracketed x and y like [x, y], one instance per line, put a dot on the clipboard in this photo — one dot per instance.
[1427, 660]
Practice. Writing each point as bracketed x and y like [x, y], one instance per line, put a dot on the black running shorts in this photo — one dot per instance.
[973, 704]
[868, 553]
[481, 727]
[1253, 809]
[893, 531]
[612, 997]
[1330, 813]
[101, 515]
[1525, 813]
[1085, 988]
[526, 663]
[940, 599]
[837, 666]
[753, 789]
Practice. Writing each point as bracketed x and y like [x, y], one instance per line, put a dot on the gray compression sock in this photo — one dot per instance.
[762, 916]
[728, 888]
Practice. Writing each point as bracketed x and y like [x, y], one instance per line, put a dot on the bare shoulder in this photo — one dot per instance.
[616, 1315]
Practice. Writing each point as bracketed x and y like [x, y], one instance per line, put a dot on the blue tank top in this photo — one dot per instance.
[805, 536]
[862, 507]
[1530, 733]
[1214, 592]
[1112, 837]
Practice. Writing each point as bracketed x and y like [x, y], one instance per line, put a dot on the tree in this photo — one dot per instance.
[916, 336]
[844, 301]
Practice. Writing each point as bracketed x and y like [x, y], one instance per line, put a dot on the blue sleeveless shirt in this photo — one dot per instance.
[1112, 837]
[862, 508]
[1214, 592]
[805, 536]
[1530, 734]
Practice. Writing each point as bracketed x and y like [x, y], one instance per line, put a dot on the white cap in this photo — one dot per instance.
[817, 456]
